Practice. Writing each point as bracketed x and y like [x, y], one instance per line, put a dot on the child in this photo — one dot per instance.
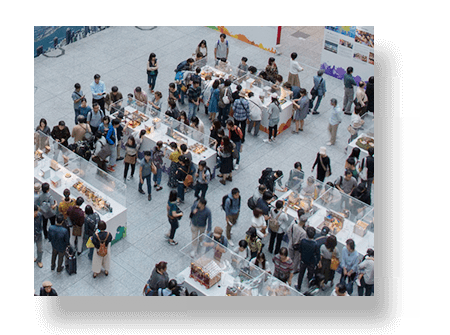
[130, 100]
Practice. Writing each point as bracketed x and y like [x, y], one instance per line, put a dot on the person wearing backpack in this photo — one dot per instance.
[278, 224]
[236, 135]
[47, 207]
[79, 130]
[221, 49]
[102, 151]
[95, 117]
[241, 114]
[102, 255]
[91, 221]
[112, 140]
[367, 169]
[231, 204]
[76, 216]
[225, 101]
[202, 177]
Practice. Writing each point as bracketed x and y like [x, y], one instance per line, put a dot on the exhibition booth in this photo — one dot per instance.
[62, 169]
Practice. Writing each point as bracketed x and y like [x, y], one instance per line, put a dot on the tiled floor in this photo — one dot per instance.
[119, 55]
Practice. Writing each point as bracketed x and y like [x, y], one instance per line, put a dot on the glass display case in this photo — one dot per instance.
[104, 193]
[45, 144]
[214, 270]
[262, 88]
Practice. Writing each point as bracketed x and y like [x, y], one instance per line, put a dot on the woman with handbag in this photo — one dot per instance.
[323, 164]
[301, 110]
[182, 172]
[329, 260]
[225, 152]
[174, 165]
[259, 223]
[349, 265]
[274, 111]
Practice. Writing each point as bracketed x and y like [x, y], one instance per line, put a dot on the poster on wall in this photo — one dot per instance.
[264, 37]
[345, 46]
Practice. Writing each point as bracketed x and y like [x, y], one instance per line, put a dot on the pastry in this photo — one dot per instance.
[68, 175]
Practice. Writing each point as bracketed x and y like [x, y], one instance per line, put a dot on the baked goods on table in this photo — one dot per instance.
[365, 142]
[205, 271]
[197, 148]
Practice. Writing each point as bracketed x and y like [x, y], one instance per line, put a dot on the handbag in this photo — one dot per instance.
[89, 243]
[314, 92]
[189, 179]
[130, 159]
[154, 169]
[334, 262]
[327, 169]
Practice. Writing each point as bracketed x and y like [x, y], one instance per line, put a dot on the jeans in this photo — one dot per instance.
[157, 177]
[192, 110]
[91, 253]
[180, 93]
[367, 287]
[60, 259]
[173, 228]
[149, 183]
[199, 187]
[273, 131]
[238, 148]
[180, 190]
[38, 242]
[77, 112]
[223, 114]
[152, 80]
[242, 125]
[319, 99]
[350, 279]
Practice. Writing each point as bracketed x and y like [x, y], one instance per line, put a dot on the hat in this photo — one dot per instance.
[37, 186]
[47, 283]
[218, 231]
[323, 151]
[274, 95]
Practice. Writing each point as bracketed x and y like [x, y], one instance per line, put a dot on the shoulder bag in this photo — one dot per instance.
[334, 262]
[314, 92]
[327, 169]
[274, 225]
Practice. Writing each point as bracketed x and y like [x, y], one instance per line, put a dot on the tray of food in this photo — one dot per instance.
[92, 198]
[333, 221]
[365, 142]
[197, 148]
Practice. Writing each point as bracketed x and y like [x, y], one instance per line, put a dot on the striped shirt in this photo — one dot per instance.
[282, 269]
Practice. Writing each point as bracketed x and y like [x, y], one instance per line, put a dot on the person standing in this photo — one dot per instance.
[152, 71]
[294, 70]
[112, 140]
[114, 100]
[38, 235]
[334, 121]
[361, 98]
[296, 233]
[213, 100]
[201, 48]
[221, 49]
[225, 152]
[47, 206]
[225, 101]
[156, 103]
[349, 265]
[201, 220]
[98, 91]
[64, 205]
[101, 152]
[272, 70]
[174, 215]
[236, 135]
[255, 107]
[241, 114]
[84, 108]
[301, 111]
[59, 238]
[131, 153]
[283, 266]
[76, 215]
[370, 92]
[232, 208]
[61, 133]
[37, 192]
[296, 177]
[194, 98]
[349, 82]
[202, 178]
[77, 95]
[145, 173]
[327, 252]
[159, 279]
[355, 123]
[91, 221]
[346, 185]
[102, 255]
[282, 222]
[80, 129]
[254, 242]
[259, 223]
[323, 164]
[141, 99]
[366, 267]
[158, 155]
[274, 111]
[309, 257]
[173, 157]
[320, 89]
[367, 169]
[182, 172]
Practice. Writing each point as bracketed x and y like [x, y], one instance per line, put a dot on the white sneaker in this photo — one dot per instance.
[266, 141]
[192, 254]
[358, 282]
[236, 167]
[328, 143]
[129, 178]
[230, 242]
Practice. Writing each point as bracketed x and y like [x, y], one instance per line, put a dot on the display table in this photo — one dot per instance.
[264, 92]
[218, 271]
[163, 128]
[317, 218]
[353, 144]
[115, 216]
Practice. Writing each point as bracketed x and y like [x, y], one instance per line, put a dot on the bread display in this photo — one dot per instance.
[360, 228]
[365, 142]
[92, 198]
[197, 148]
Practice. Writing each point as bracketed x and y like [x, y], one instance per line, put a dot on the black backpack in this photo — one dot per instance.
[265, 173]
[224, 198]
[251, 203]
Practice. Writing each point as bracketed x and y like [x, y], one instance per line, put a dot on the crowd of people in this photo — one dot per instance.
[104, 137]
